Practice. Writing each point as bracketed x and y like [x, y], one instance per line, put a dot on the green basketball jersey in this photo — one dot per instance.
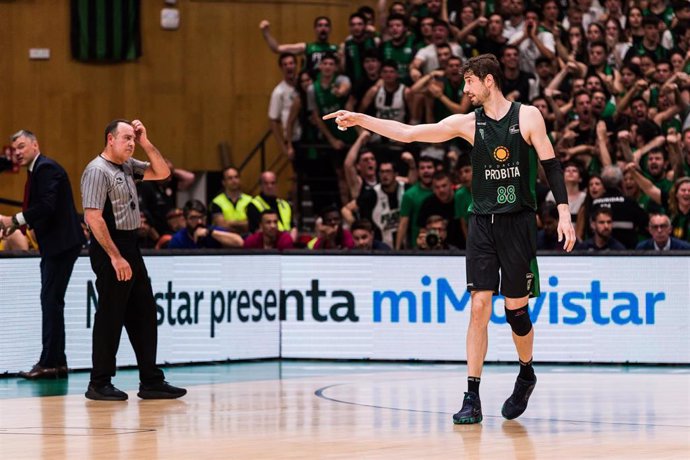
[403, 55]
[313, 54]
[504, 166]
[454, 94]
[354, 57]
[327, 102]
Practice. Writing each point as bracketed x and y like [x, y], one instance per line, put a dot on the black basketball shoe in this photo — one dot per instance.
[516, 404]
[471, 411]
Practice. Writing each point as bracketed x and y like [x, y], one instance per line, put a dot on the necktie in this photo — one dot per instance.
[27, 189]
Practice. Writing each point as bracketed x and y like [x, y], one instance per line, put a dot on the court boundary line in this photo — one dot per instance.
[319, 393]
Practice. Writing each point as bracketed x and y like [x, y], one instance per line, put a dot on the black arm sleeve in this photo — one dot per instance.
[554, 174]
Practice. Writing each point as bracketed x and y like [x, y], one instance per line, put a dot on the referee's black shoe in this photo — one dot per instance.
[516, 404]
[105, 392]
[161, 390]
[471, 411]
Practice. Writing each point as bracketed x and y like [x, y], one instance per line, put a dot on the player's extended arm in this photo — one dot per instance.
[454, 125]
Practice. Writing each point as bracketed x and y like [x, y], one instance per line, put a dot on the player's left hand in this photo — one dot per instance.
[567, 232]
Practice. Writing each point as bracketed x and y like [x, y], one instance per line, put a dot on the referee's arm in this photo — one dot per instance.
[159, 169]
[94, 219]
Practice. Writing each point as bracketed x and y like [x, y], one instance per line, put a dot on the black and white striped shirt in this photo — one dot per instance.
[105, 182]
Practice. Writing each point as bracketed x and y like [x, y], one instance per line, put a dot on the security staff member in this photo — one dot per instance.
[49, 210]
[229, 208]
[268, 199]
[125, 296]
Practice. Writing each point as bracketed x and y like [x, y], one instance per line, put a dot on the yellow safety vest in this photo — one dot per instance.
[284, 211]
[233, 212]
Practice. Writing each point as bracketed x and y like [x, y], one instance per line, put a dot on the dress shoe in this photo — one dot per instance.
[105, 392]
[40, 372]
[162, 390]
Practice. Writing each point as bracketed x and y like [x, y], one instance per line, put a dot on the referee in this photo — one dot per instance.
[125, 297]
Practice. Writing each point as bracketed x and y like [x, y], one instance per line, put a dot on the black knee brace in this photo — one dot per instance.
[519, 321]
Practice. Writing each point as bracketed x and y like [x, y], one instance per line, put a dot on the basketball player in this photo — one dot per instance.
[502, 224]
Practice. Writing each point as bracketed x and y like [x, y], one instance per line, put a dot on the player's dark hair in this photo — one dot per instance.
[483, 65]
[112, 128]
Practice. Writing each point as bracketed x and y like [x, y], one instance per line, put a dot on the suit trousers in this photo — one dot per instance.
[55, 274]
[123, 303]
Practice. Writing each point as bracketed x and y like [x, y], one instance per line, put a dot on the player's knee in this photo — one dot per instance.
[519, 321]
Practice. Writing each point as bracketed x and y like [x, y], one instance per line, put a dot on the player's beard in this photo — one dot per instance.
[479, 99]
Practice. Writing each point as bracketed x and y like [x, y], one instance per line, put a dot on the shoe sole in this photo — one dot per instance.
[99, 397]
[159, 395]
[59, 375]
[468, 420]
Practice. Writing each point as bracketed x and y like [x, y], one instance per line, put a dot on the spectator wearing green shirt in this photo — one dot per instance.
[411, 204]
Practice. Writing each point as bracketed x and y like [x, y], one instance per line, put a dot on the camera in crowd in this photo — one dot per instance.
[433, 236]
[433, 239]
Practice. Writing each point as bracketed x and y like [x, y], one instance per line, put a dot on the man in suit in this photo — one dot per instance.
[49, 210]
[661, 240]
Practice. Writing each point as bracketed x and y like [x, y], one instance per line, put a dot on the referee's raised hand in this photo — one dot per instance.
[140, 131]
[122, 269]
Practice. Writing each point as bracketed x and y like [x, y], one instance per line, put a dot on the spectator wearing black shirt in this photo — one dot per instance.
[371, 63]
[493, 40]
[629, 220]
[602, 226]
[157, 198]
[517, 85]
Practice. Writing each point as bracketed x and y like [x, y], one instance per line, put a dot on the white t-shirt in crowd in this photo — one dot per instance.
[279, 107]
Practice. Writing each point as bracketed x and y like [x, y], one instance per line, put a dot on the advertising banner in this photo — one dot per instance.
[231, 307]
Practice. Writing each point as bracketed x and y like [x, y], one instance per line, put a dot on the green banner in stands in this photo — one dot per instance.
[105, 30]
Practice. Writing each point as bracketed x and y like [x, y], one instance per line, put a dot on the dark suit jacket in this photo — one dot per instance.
[675, 244]
[51, 212]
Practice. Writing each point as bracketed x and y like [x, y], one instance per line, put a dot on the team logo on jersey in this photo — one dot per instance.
[514, 129]
[530, 281]
[501, 154]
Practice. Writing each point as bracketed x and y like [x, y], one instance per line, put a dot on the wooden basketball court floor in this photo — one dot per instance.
[302, 409]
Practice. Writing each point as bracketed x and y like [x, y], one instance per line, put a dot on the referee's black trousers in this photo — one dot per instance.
[123, 303]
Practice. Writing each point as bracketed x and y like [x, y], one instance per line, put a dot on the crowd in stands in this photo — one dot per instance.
[611, 78]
